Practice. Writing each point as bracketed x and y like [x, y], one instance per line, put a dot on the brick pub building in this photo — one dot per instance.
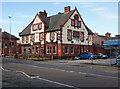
[62, 34]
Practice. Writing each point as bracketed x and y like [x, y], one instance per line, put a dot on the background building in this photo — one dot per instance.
[7, 46]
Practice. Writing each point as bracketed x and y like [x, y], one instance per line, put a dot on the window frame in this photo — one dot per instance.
[66, 51]
[52, 36]
[82, 36]
[54, 50]
[69, 31]
[41, 38]
[72, 50]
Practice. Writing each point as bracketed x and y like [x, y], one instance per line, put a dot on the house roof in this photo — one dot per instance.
[53, 23]
[6, 35]
[56, 21]
[108, 38]
[26, 31]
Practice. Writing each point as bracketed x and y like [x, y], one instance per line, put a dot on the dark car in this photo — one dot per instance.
[113, 55]
[101, 56]
[87, 55]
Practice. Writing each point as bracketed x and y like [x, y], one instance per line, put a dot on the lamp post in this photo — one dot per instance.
[10, 36]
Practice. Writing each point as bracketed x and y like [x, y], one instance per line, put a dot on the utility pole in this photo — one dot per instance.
[10, 36]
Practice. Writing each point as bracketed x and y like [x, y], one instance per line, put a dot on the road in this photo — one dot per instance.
[28, 73]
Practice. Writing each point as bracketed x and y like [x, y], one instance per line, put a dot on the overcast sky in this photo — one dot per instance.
[100, 17]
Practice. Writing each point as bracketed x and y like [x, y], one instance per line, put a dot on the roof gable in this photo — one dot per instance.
[6, 35]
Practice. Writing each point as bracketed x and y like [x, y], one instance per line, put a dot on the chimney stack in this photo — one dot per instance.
[66, 9]
[43, 13]
[95, 34]
[107, 34]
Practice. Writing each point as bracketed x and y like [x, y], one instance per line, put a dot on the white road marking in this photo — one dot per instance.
[37, 77]
[76, 72]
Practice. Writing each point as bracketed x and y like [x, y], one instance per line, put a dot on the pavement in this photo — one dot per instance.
[106, 62]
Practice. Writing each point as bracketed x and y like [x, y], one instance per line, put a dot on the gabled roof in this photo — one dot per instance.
[26, 31]
[56, 21]
[6, 35]
[53, 23]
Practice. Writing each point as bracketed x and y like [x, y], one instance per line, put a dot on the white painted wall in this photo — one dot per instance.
[68, 26]
[37, 20]
[48, 37]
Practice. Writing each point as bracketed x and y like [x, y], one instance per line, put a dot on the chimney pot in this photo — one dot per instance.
[108, 34]
[66, 9]
[95, 34]
[43, 13]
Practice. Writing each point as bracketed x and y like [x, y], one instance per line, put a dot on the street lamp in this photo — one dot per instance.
[10, 36]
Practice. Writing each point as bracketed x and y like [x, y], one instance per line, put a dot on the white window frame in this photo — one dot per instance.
[67, 50]
[54, 49]
[72, 50]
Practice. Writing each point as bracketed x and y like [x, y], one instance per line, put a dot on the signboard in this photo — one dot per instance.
[115, 42]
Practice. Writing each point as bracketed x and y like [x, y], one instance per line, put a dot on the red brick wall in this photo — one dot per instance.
[5, 51]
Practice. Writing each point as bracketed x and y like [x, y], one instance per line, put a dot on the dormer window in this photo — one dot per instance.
[75, 22]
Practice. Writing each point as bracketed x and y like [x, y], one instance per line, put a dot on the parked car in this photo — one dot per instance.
[101, 56]
[76, 58]
[117, 62]
[87, 55]
[113, 55]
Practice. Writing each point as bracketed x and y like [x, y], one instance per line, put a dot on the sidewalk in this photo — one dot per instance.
[97, 61]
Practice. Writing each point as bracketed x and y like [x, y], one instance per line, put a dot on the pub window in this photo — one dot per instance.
[52, 36]
[66, 50]
[72, 22]
[75, 22]
[36, 49]
[41, 36]
[76, 34]
[5, 45]
[48, 49]
[79, 24]
[82, 36]
[72, 50]
[23, 39]
[27, 39]
[69, 35]
[32, 49]
[54, 49]
[33, 38]
[35, 26]
[40, 26]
